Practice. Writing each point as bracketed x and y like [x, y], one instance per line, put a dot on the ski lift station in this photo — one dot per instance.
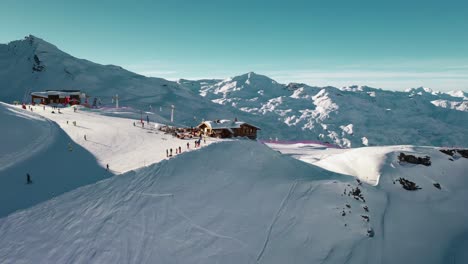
[58, 97]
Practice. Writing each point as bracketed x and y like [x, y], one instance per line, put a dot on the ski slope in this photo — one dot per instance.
[262, 207]
[116, 141]
[33, 144]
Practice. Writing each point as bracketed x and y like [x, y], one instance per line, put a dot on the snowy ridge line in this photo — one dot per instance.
[299, 142]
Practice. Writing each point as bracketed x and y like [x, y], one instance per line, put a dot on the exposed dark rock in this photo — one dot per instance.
[451, 152]
[343, 213]
[426, 161]
[370, 232]
[347, 205]
[463, 153]
[365, 217]
[366, 208]
[408, 185]
[437, 185]
[357, 194]
[36, 59]
[37, 65]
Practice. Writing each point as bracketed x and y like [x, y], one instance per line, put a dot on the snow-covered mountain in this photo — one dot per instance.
[348, 116]
[33, 64]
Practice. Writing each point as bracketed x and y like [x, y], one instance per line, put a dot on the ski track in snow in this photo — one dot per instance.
[278, 213]
[205, 230]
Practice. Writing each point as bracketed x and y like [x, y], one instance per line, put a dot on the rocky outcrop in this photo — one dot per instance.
[408, 185]
[452, 152]
[37, 65]
[426, 161]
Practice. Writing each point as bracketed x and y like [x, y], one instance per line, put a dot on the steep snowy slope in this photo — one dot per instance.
[33, 64]
[32, 144]
[203, 207]
[350, 116]
[116, 141]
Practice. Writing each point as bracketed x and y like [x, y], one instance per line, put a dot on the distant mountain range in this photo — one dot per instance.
[349, 116]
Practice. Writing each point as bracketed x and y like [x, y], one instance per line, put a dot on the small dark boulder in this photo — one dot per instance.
[357, 194]
[437, 185]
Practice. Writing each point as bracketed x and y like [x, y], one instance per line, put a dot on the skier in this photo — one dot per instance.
[180, 150]
[67, 122]
[134, 124]
[107, 167]
[85, 137]
[44, 107]
[171, 153]
[147, 120]
[167, 153]
[28, 178]
[188, 145]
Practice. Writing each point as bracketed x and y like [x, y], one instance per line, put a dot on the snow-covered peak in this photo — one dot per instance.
[352, 88]
[458, 93]
[246, 85]
[253, 79]
[33, 44]
[422, 90]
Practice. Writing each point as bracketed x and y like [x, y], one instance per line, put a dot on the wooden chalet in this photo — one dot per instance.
[58, 97]
[228, 129]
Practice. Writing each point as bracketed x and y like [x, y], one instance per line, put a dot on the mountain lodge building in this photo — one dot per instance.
[228, 129]
[58, 97]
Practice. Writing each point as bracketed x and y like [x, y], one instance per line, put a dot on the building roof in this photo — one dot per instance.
[60, 93]
[225, 124]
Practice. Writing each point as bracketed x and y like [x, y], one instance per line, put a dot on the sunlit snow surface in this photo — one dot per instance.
[243, 202]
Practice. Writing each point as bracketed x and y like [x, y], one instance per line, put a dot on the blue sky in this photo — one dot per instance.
[389, 44]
